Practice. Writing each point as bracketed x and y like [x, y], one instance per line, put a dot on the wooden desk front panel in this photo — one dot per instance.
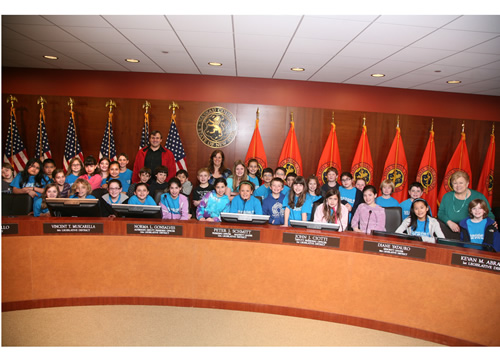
[443, 299]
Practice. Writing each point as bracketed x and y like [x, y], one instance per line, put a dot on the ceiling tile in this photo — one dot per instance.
[329, 29]
[201, 23]
[96, 34]
[77, 20]
[479, 23]
[151, 37]
[467, 59]
[434, 21]
[369, 50]
[315, 46]
[261, 43]
[396, 35]
[206, 39]
[453, 40]
[42, 33]
[24, 19]
[269, 25]
[145, 22]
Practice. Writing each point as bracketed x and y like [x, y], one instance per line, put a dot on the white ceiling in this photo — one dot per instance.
[413, 51]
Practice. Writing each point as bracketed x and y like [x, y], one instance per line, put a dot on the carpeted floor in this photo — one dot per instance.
[179, 326]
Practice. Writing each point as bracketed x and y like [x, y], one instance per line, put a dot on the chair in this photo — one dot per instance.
[16, 205]
[448, 233]
[314, 206]
[99, 192]
[393, 218]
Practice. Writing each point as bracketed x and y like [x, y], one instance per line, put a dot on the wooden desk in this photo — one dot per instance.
[182, 263]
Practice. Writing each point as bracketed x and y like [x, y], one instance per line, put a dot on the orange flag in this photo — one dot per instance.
[485, 184]
[396, 168]
[362, 164]
[330, 156]
[290, 157]
[459, 162]
[256, 150]
[427, 173]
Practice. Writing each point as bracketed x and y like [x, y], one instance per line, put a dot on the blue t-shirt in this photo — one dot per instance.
[37, 208]
[16, 182]
[296, 213]
[422, 229]
[134, 200]
[274, 208]
[387, 202]
[252, 206]
[71, 178]
[86, 197]
[126, 179]
[262, 191]
[405, 208]
[476, 231]
[348, 195]
[255, 181]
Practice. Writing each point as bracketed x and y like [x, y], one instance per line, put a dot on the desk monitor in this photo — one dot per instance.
[396, 235]
[315, 225]
[137, 211]
[461, 244]
[74, 207]
[244, 218]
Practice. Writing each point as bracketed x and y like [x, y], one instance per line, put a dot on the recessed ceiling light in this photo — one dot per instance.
[132, 60]
[216, 64]
[378, 75]
[453, 82]
[297, 69]
[51, 57]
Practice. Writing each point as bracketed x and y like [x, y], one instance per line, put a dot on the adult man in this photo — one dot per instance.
[153, 156]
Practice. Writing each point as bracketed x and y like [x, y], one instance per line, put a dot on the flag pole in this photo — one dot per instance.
[11, 99]
[291, 141]
[110, 103]
[41, 101]
[331, 142]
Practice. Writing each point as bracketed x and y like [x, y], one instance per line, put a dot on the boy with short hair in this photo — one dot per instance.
[415, 190]
[331, 177]
[203, 187]
[387, 188]
[272, 205]
[264, 190]
[125, 174]
[350, 196]
[281, 173]
[160, 183]
[290, 178]
[186, 185]
[49, 165]
[144, 176]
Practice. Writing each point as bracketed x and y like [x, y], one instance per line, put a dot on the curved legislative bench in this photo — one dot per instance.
[439, 293]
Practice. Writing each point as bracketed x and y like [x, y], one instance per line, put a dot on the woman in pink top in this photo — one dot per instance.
[369, 215]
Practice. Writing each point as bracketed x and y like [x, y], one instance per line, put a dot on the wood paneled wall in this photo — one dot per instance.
[312, 123]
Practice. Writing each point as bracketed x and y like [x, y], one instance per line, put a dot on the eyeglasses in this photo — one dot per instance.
[346, 179]
[115, 188]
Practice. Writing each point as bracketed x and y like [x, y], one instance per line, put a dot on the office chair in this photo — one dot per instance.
[16, 205]
[393, 218]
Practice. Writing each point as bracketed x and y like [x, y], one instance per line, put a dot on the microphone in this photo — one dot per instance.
[368, 222]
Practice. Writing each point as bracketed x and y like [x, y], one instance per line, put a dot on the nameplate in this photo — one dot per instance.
[311, 239]
[72, 228]
[394, 249]
[471, 261]
[158, 229]
[11, 228]
[234, 233]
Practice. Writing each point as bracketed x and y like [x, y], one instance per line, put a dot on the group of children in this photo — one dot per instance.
[284, 197]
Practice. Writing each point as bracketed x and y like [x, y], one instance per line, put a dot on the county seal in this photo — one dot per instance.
[216, 127]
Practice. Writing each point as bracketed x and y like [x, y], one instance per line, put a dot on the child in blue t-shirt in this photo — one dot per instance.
[296, 204]
[387, 188]
[264, 190]
[141, 196]
[246, 203]
[125, 175]
[416, 190]
[479, 228]
[81, 188]
[40, 206]
[253, 169]
[350, 196]
[420, 223]
[75, 170]
[30, 180]
[272, 205]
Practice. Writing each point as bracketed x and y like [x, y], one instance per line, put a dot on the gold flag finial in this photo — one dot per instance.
[71, 102]
[432, 124]
[397, 125]
[41, 101]
[111, 104]
[146, 106]
[493, 129]
[258, 112]
[11, 100]
[173, 106]
[333, 116]
[291, 114]
[364, 120]
[463, 126]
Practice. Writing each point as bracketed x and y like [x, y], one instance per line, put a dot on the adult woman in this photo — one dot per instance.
[455, 204]
[216, 166]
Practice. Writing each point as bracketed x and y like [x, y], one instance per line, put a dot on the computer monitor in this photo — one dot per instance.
[314, 225]
[74, 207]
[137, 211]
[244, 218]
[461, 244]
[396, 235]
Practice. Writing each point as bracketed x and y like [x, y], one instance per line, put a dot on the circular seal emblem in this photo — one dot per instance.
[216, 127]
[427, 177]
[290, 165]
[396, 174]
[363, 172]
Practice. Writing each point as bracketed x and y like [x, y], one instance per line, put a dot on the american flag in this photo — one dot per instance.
[145, 132]
[174, 144]
[108, 141]
[15, 152]
[72, 147]
[42, 150]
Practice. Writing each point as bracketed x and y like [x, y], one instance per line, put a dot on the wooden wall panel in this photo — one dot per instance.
[312, 123]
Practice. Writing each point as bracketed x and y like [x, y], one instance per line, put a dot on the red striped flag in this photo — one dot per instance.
[15, 151]
[72, 147]
[485, 184]
[42, 150]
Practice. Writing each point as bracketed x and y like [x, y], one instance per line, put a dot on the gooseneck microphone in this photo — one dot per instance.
[368, 222]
